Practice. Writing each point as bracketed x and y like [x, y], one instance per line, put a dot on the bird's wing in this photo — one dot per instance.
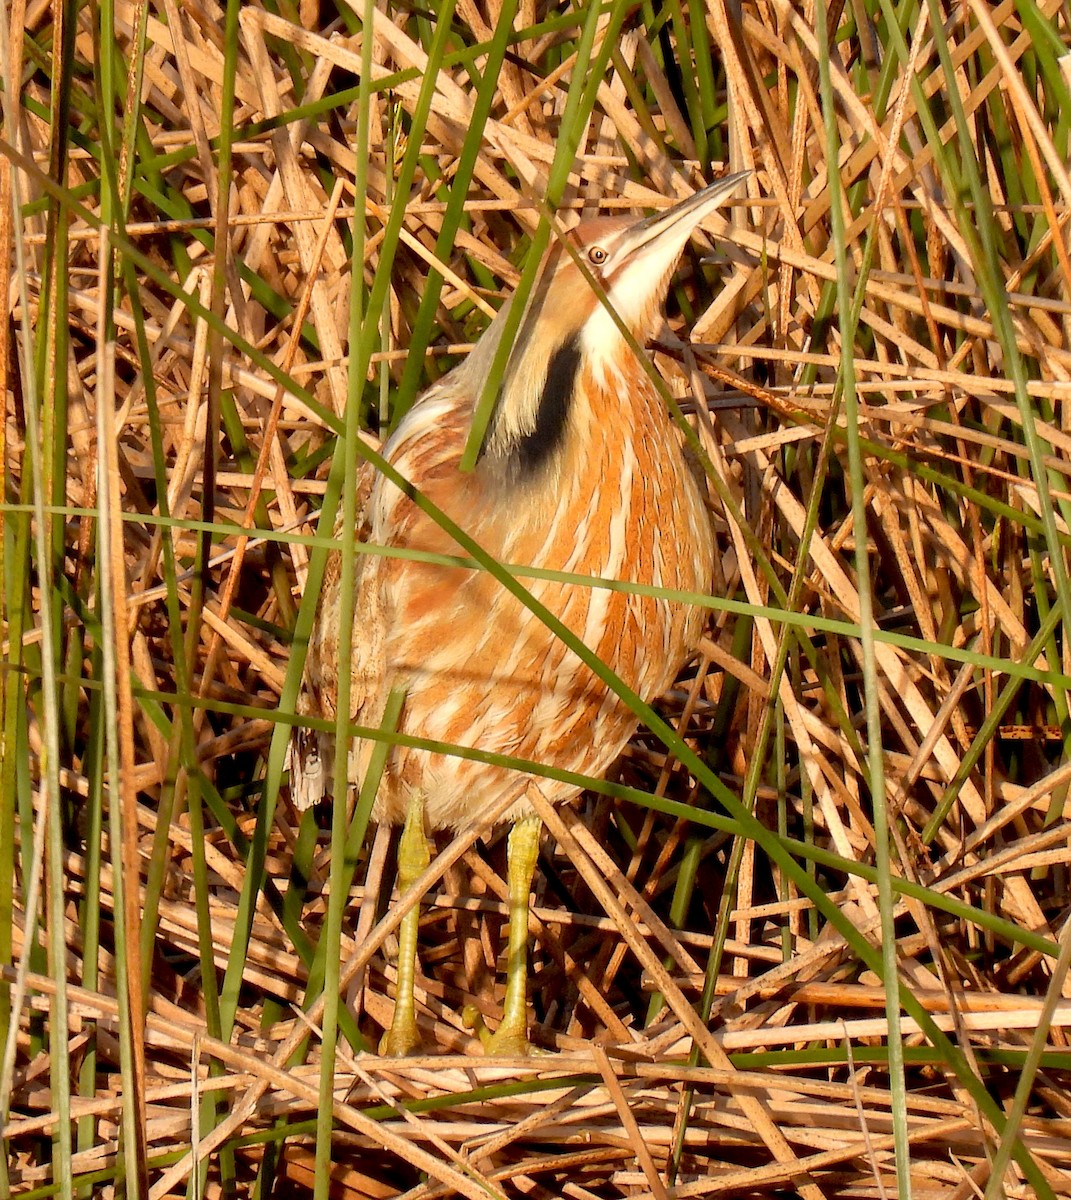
[424, 448]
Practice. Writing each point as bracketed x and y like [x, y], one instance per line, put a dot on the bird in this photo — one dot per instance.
[581, 470]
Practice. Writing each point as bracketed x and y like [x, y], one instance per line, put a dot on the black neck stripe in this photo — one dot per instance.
[534, 450]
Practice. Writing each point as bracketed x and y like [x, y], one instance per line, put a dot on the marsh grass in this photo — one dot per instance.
[812, 937]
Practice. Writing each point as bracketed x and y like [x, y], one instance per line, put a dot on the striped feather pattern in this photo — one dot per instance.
[582, 472]
[478, 668]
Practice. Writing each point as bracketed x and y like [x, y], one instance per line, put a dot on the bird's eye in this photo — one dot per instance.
[597, 255]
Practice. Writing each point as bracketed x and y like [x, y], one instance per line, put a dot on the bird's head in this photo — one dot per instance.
[567, 323]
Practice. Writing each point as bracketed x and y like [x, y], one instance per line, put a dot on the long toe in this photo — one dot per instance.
[508, 1043]
[510, 1040]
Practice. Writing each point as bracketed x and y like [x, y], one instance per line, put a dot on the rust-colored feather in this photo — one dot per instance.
[477, 667]
[582, 472]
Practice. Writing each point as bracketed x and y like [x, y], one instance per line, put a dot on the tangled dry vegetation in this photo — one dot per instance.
[719, 1019]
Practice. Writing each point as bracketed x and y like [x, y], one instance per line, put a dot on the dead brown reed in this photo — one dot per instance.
[179, 275]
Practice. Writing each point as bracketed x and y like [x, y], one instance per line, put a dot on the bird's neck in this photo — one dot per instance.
[534, 411]
[548, 401]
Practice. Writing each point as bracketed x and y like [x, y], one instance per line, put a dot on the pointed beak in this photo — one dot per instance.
[669, 230]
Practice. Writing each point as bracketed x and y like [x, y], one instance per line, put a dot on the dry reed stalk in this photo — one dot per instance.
[792, 1092]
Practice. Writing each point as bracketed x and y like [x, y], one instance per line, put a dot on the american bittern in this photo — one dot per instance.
[581, 471]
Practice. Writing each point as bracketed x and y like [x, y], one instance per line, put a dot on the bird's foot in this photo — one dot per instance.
[400, 1041]
[507, 1041]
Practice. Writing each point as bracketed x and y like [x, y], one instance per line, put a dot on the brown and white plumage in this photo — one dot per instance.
[582, 471]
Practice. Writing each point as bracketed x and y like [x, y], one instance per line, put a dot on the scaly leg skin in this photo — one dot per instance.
[511, 1037]
[402, 1038]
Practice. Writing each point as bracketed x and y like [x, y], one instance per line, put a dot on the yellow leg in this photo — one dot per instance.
[402, 1038]
[511, 1037]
